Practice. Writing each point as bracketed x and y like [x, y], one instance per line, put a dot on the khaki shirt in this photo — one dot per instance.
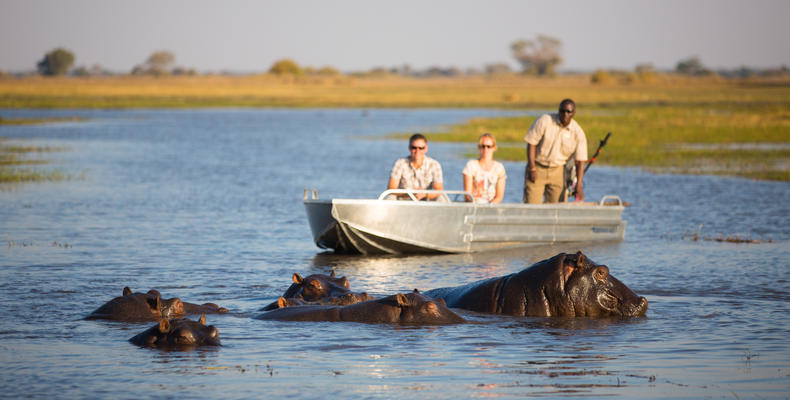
[556, 143]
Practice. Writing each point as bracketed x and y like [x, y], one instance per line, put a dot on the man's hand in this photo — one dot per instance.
[531, 172]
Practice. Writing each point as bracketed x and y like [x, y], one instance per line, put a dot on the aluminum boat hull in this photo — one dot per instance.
[368, 226]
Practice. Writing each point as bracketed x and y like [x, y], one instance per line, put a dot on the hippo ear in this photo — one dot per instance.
[344, 282]
[600, 273]
[580, 259]
[567, 271]
[202, 319]
[281, 302]
[154, 303]
[297, 279]
[127, 291]
[332, 274]
[415, 291]
[164, 325]
[402, 300]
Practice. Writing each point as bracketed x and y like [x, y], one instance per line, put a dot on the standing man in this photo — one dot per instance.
[551, 140]
[417, 171]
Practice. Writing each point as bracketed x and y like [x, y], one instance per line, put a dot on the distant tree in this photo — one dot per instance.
[692, 66]
[499, 68]
[327, 71]
[539, 56]
[184, 71]
[80, 71]
[160, 63]
[646, 72]
[601, 76]
[286, 67]
[56, 62]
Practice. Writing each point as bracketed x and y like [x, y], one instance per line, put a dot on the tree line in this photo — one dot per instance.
[539, 57]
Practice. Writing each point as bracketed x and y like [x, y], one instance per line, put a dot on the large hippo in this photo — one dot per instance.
[566, 285]
[318, 289]
[149, 306]
[178, 332]
[410, 308]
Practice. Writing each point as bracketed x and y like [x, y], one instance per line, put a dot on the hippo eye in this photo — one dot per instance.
[608, 301]
[185, 336]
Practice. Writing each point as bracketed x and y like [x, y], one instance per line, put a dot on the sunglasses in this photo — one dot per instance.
[485, 146]
[566, 111]
[417, 147]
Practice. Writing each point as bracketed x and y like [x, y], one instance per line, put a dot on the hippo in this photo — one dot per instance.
[343, 300]
[319, 289]
[149, 306]
[178, 333]
[566, 285]
[410, 308]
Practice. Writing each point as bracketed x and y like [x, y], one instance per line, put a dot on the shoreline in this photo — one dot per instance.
[688, 125]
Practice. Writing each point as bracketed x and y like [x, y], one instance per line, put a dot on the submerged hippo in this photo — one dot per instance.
[411, 308]
[318, 289]
[343, 300]
[566, 285]
[178, 332]
[149, 306]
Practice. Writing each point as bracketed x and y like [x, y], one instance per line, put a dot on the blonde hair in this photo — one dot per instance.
[486, 135]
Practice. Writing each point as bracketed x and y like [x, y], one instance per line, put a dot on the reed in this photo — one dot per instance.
[14, 164]
[510, 91]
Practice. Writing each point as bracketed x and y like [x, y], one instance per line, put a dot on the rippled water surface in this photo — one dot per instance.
[206, 205]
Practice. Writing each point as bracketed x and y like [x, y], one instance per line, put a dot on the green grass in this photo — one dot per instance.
[14, 157]
[670, 123]
[35, 121]
[750, 140]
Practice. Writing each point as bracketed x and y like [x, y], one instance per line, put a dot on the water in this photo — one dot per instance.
[205, 205]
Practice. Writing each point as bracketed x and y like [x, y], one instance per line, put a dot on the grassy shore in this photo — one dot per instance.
[665, 123]
[751, 141]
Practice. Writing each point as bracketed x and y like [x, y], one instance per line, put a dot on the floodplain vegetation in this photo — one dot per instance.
[661, 122]
[17, 163]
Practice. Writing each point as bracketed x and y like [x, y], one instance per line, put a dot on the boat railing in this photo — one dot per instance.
[610, 197]
[444, 195]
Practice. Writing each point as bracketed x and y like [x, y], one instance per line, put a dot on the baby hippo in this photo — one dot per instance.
[178, 333]
[411, 308]
[149, 306]
[318, 289]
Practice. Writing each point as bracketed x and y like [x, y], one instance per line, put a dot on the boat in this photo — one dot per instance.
[452, 225]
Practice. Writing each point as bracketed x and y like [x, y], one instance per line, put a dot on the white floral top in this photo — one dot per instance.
[484, 182]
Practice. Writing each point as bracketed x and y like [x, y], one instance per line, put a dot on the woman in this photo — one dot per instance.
[484, 177]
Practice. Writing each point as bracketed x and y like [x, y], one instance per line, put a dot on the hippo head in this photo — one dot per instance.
[578, 287]
[177, 333]
[159, 307]
[317, 286]
[139, 307]
[417, 308]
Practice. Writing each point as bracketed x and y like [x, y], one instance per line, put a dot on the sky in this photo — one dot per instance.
[357, 35]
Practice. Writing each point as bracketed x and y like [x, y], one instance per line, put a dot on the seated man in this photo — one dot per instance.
[417, 171]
